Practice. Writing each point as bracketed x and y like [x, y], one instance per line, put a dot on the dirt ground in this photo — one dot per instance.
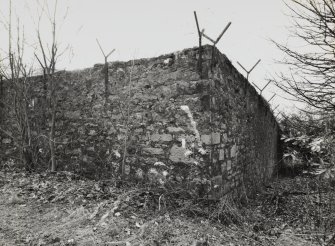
[64, 209]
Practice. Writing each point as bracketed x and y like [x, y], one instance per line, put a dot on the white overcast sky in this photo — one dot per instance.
[148, 28]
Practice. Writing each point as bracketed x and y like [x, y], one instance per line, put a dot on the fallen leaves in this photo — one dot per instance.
[64, 209]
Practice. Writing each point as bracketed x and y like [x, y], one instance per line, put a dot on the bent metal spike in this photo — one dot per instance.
[219, 37]
[202, 32]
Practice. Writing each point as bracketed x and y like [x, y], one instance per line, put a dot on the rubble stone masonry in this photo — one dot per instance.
[167, 114]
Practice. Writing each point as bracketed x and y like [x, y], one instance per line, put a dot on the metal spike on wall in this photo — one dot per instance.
[200, 45]
[274, 94]
[249, 71]
[261, 91]
[105, 68]
[275, 108]
[102, 51]
[256, 86]
[201, 32]
[219, 37]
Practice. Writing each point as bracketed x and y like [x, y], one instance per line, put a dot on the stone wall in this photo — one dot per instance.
[170, 117]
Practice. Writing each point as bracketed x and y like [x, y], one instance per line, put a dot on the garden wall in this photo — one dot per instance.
[189, 126]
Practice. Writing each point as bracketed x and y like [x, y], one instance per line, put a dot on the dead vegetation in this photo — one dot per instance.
[66, 209]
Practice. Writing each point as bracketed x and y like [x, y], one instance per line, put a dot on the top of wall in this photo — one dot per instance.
[187, 58]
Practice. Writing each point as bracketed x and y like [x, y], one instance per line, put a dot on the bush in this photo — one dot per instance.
[309, 141]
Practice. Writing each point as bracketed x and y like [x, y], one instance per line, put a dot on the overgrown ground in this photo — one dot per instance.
[64, 209]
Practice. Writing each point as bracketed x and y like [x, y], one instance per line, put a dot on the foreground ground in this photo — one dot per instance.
[64, 209]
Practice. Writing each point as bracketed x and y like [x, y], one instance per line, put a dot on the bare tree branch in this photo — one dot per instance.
[312, 69]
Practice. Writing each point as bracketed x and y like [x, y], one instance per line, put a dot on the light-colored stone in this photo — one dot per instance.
[120, 71]
[214, 138]
[73, 114]
[223, 167]
[228, 165]
[92, 133]
[216, 181]
[161, 137]
[188, 138]
[168, 61]
[97, 106]
[127, 169]
[221, 155]
[177, 154]
[91, 148]
[175, 129]
[233, 151]
[153, 151]
[206, 139]
[139, 173]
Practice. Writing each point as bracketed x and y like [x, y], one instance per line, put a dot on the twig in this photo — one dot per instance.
[159, 202]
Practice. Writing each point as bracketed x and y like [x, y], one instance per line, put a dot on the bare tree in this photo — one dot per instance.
[15, 72]
[21, 106]
[47, 58]
[312, 66]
